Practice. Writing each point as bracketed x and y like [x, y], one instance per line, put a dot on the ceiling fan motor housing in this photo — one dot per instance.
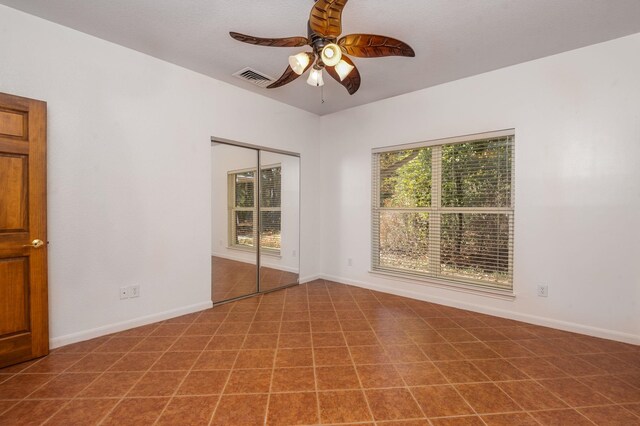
[317, 42]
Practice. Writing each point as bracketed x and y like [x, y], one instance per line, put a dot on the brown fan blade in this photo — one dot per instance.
[271, 42]
[326, 17]
[350, 82]
[374, 46]
[289, 75]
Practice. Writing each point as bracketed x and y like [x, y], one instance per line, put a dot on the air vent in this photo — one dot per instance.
[254, 77]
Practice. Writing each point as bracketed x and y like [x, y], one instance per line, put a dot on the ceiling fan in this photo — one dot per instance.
[329, 52]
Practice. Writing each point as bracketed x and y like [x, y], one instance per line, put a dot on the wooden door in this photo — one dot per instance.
[24, 327]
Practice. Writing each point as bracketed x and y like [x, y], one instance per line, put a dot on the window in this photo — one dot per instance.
[445, 210]
[243, 214]
[270, 204]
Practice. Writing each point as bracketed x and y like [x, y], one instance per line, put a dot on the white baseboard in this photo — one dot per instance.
[80, 336]
[310, 278]
[68, 339]
[532, 319]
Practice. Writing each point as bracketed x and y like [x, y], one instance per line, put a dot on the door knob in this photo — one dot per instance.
[35, 244]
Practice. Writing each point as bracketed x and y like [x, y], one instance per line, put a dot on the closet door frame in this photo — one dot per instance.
[259, 149]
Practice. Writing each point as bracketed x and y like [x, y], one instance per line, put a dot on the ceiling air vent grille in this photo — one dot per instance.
[254, 77]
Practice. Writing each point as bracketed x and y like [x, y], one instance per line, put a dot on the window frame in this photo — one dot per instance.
[435, 210]
[232, 209]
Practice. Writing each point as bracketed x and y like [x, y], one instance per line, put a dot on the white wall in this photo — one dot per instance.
[130, 192]
[129, 172]
[577, 121]
[226, 158]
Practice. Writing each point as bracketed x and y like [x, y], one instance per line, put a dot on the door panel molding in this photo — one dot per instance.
[24, 323]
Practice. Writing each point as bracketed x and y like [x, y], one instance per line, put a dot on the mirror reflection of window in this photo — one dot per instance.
[243, 209]
[243, 212]
[270, 208]
[234, 271]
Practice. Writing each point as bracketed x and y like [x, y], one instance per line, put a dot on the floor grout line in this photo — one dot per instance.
[215, 409]
[123, 397]
[175, 392]
[409, 389]
[366, 400]
[598, 358]
[65, 371]
[275, 358]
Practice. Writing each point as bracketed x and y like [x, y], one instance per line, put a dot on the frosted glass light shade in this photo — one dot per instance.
[331, 54]
[343, 69]
[299, 62]
[315, 78]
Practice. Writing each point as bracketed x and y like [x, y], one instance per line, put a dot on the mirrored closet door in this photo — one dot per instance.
[255, 220]
[279, 220]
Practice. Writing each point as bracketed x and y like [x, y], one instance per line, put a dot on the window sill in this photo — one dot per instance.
[264, 252]
[460, 287]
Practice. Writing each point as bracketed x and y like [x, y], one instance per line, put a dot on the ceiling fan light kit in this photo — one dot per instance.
[329, 52]
[299, 62]
[343, 69]
[315, 78]
[331, 55]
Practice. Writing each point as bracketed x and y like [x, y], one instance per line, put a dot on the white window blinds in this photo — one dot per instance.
[445, 210]
[243, 212]
[270, 207]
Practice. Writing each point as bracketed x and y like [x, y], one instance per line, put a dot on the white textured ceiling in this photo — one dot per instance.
[452, 38]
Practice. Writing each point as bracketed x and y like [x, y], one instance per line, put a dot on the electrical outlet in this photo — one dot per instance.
[350, 262]
[293, 254]
[129, 292]
[543, 290]
[133, 291]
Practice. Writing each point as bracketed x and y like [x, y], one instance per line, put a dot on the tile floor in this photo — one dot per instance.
[326, 353]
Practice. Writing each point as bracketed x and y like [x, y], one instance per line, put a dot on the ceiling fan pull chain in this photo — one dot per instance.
[322, 94]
